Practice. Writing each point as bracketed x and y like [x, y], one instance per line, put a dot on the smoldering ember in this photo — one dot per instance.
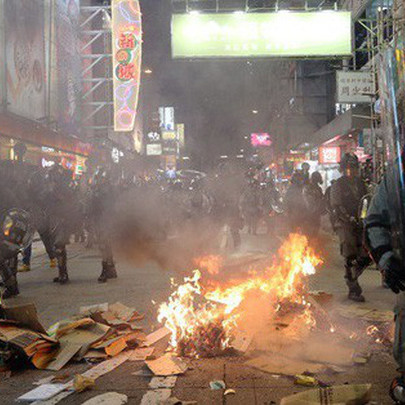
[202, 202]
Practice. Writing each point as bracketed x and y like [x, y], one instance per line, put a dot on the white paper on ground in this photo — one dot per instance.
[167, 365]
[109, 398]
[95, 372]
[156, 396]
[162, 382]
[54, 400]
[42, 393]
[94, 308]
[44, 380]
[155, 336]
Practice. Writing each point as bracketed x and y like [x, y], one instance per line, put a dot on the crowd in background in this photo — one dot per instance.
[139, 211]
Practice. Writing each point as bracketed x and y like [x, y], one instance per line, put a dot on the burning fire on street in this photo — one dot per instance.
[203, 316]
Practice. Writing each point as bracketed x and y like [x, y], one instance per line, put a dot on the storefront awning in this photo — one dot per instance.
[35, 133]
[351, 121]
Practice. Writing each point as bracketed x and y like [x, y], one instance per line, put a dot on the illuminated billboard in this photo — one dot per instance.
[261, 139]
[25, 66]
[281, 34]
[329, 155]
[127, 49]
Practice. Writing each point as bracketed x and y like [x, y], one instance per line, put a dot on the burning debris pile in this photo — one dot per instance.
[203, 317]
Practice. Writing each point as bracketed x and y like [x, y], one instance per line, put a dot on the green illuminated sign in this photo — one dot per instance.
[282, 34]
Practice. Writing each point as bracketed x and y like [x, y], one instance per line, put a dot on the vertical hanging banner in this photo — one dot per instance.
[127, 57]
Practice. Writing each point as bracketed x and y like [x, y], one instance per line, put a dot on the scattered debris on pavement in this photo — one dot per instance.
[163, 382]
[217, 385]
[98, 332]
[176, 401]
[305, 380]
[109, 398]
[142, 354]
[354, 311]
[43, 392]
[109, 335]
[341, 394]
[278, 364]
[82, 383]
[361, 358]
[60, 391]
[167, 365]
[156, 336]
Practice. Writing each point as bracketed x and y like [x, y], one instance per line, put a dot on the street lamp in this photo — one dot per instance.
[255, 111]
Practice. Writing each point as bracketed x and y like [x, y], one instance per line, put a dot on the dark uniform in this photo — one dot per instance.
[37, 205]
[294, 203]
[384, 239]
[315, 205]
[16, 234]
[270, 205]
[100, 209]
[345, 198]
[8, 200]
[250, 207]
[61, 208]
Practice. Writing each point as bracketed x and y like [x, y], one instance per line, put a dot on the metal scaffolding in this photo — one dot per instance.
[374, 32]
[218, 6]
[96, 53]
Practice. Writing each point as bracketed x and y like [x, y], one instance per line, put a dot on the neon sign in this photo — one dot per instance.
[127, 52]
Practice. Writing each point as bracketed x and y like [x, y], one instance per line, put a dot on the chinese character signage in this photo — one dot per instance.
[329, 155]
[227, 35]
[354, 87]
[127, 49]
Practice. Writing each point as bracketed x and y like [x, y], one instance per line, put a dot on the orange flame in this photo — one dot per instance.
[211, 263]
[193, 311]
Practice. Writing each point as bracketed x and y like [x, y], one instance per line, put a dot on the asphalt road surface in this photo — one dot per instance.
[138, 285]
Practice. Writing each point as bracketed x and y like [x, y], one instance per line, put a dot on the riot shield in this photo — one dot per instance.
[391, 78]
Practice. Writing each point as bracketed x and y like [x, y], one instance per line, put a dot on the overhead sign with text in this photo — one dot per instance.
[281, 34]
[355, 87]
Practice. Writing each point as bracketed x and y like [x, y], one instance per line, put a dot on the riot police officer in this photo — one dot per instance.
[100, 210]
[385, 238]
[345, 198]
[61, 208]
[314, 205]
[16, 234]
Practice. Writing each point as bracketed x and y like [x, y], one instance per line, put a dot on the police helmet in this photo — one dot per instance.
[16, 228]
